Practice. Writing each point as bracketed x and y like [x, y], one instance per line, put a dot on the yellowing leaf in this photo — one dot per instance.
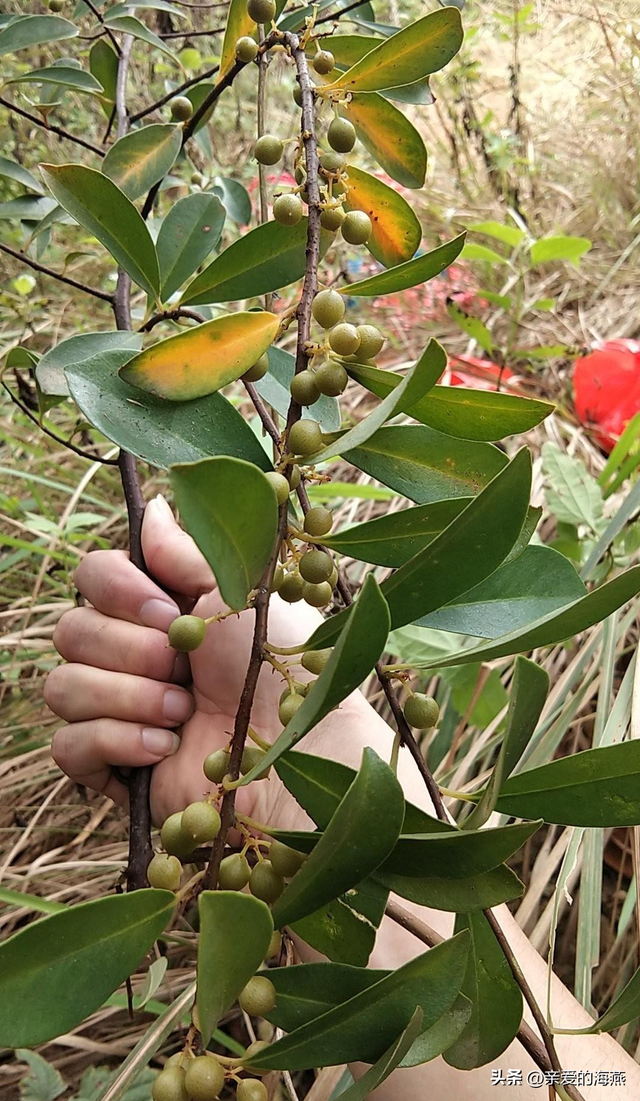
[396, 231]
[390, 137]
[239, 24]
[204, 359]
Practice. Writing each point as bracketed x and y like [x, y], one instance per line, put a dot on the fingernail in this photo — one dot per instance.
[163, 506]
[159, 613]
[176, 706]
[160, 742]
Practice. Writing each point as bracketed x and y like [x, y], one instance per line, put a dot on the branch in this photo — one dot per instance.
[191, 34]
[176, 92]
[91, 6]
[54, 436]
[268, 422]
[50, 127]
[171, 315]
[24, 259]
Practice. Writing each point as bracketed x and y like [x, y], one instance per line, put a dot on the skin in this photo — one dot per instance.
[124, 698]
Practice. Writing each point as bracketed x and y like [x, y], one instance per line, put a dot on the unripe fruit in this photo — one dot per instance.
[332, 161]
[278, 578]
[305, 437]
[268, 149]
[371, 342]
[173, 838]
[317, 595]
[356, 228]
[297, 96]
[314, 661]
[294, 476]
[258, 997]
[286, 861]
[341, 135]
[186, 633]
[280, 485]
[316, 566]
[216, 765]
[204, 1078]
[164, 872]
[333, 580]
[275, 945]
[332, 218]
[56, 5]
[197, 179]
[344, 339]
[234, 873]
[254, 1049]
[265, 883]
[328, 308]
[288, 210]
[318, 521]
[303, 388]
[291, 588]
[252, 755]
[169, 1085]
[246, 49]
[259, 369]
[421, 711]
[324, 62]
[252, 1089]
[179, 1059]
[296, 686]
[289, 706]
[201, 821]
[181, 108]
[190, 58]
[331, 378]
[261, 11]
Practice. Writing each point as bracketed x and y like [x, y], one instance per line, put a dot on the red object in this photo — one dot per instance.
[479, 374]
[606, 386]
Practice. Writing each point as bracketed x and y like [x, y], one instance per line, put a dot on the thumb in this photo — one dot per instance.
[172, 557]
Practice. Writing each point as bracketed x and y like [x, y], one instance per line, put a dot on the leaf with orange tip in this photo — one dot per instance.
[389, 136]
[396, 232]
[203, 359]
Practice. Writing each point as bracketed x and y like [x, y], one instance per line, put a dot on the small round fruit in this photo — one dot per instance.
[190, 58]
[314, 661]
[295, 686]
[332, 218]
[246, 49]
[170, 1085]
[291, 588]
[286, 861]
[261, 11]
[216, 765]
[333, 580]
[328, 308]
[323, 62]
[288, 210]
[252, 756]
[197, 179]
[331, 378]
[421, 711]
[258, 370]
[204, 1078]
[268, 149]
[173, 838]
[318, 521]
[278, 578]
[317, 595]
[254, 1049]
[280, 485]
[186, 633]
[252, 1089]
[56, 5]
[305, 437]
[201, 821]
[316, 566]
[294, 476]
[356, 228]
[258, 997]
[341, 135]
[371, 342]
[297, 97]
[275, 945]
[234, 873]
[265, 883]
[164, 872]
[344, 338]
[332, 161]
[303, 388]
[289, 706]
[181, 108]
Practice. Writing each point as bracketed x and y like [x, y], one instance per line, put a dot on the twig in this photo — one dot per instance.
[54, 436]
[264, 414]
[171, 315]
[176, 92]
[408, 740]
[51, 127]
[91, 6]
[75, 283]
[338, 15]
[191, 34]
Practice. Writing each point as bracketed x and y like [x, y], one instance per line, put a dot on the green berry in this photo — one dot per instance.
[305, 437]
[286, 861]
[318, 521]
[303, 388]
[331, 378]
[289, 706]
[204, 1078]
[288, 209]
[179, 1059]
[170, 1085]
[259, 996]
[341, 135]
[259, 369]
[291, 588]
[294, 476]
[173, 838]
[186, 633]
[216, 765]
[261, 11]
[333, 580]
[371, 342]
[314, 661]
[357, 227]
[328, 308]
[332, 218]
[246, 49]
[421, 711]
[316, 566]
[296, 686]
[252, 756]
[190, 58]
[331, 161]
[197, 179]
[265, 883]
[317, 595]
[164, 872]
[344, 338]
[268, 149]
[323, 62]
[278, 578]
[297, 97]
[56, 5]
[275, 945]
[280, 485]
[234, 873]
[181, 108]
[201, 821]
[251, 1089]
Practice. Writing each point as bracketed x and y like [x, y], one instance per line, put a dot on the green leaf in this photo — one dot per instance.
[356, 651]
[187, 235]
[390, 137]
[104, 211]
[234, 198]
[61, 74]
[509, 235]
[556, 626]
[494, 995]
[359, 837]
[477, 892]
[540, 581]
[42, 1081]
[230, 509]
[623, 1009]
[274, 388]
[11, 170]
[142, 157]
[30, 902]
[50, 372]
[128, 24]
[349, 48]
[58, 970]
[435, 1040]
[465, 413]
[396, 231]
[235, 930]
[103, 63]
[363, 1027]
[307, 991]
[386, 1064]
[423, 47]
[32, 30]
[474, 251]
[239, 25]
[572, 494]
[598, 787]
[458, 854]
[472, 326]
[412, 274]
[559, 248]
[27, 208]
[345, 929]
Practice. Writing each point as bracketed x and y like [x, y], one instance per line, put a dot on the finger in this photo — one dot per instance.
[171, 555]
[117, 588]
[87, 751]
[86, 636]
[78, 692]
